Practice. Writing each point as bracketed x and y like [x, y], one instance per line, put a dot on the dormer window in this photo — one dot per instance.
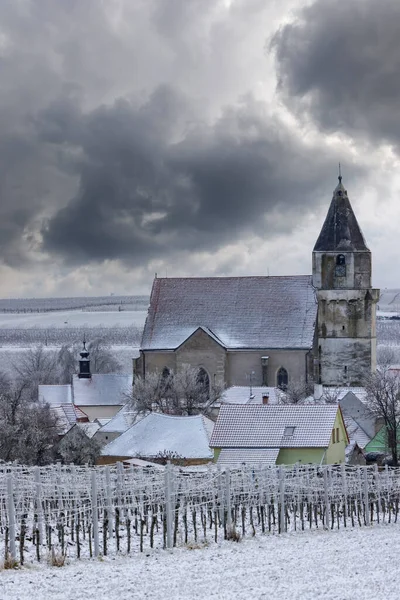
[289, 431]
[340, 270]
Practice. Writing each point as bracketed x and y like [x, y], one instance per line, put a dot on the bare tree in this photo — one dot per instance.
[184, 393]
[28, 431]
[102, 359]
[296, 392]
[76, 447]
[383, 401]
[36, 366]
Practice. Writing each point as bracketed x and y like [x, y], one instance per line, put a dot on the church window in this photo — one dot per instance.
[166, 379]
[203, 379]
[166, 373]
[340, 270]
[282, 378]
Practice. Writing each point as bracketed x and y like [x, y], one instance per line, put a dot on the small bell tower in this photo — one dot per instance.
[84, 363]
[346, 332]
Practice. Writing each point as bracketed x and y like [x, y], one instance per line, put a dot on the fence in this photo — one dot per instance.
[86, 511]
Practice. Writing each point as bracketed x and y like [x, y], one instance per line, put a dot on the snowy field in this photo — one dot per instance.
[72, 318]
[336, 565]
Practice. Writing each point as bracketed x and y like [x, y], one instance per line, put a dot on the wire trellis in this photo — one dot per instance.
[87, 511]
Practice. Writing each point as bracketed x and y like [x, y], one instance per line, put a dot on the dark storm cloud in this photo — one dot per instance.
[340, 62]
[154, 179]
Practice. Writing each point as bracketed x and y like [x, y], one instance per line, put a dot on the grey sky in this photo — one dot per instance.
[190, 137]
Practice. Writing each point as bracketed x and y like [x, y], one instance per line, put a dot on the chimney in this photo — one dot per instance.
[84, 363]
[265, 398]
[318, 391]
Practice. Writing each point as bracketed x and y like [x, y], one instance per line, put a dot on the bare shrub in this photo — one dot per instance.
[10, 562]
[57, 557]
[232, 535]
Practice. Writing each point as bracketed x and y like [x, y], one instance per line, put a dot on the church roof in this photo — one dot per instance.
[242, 312]
[340, 231]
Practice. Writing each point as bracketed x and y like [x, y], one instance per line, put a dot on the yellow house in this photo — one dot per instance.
[279, 434]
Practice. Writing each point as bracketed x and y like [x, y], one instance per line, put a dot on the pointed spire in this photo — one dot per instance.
[340, 231]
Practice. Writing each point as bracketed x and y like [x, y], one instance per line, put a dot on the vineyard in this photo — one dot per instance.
[55, 336]
[82, 511]
[37, 305]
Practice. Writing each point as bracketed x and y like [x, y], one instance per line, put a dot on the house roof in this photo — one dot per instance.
[340, 231]
[263, 426]
[240, 394]
[89, 428]
[55, 395]
[249, 456]
[356, 433]
[188, 437]
[239, 312]
[124, 419]
[108, 389]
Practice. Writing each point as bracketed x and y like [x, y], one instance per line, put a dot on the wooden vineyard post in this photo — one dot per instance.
[344, 488]
[366, 499]
[378, 491]
[282, 515]
[228, 500]
[11, 515]
[95, 514]
[326, 499]
[39, 508]
[109, 502]
[168, 503]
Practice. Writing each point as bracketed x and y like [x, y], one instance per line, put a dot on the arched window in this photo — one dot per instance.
[166, 373]
[282, 378]
[166, 379]
[203, 379]
[340, 270]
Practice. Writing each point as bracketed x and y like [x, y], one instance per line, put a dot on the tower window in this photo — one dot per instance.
[340, 270]
[282, 378]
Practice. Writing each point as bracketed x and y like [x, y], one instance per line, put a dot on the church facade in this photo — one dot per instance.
[271, 331]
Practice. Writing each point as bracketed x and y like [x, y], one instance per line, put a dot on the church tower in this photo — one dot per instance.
[346, 322]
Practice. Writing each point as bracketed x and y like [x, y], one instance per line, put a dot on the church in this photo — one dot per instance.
[271, 331]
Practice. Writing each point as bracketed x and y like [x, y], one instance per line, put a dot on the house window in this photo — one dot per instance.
[282, 378]
[340, 270]
[337, 435]
[203, 379]
[289, 431]
[333, 436]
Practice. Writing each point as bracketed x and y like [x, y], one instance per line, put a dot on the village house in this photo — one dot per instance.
[184, 440]
[272, 330]
[279, 434]
[99, 396]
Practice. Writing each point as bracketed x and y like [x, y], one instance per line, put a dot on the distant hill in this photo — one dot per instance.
[101, 303]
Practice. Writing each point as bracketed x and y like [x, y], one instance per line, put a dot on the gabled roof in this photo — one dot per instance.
[356, 433]
[55, 395]
[206, 331]
[109, 389]
[240, 394]
[263, 426]
[188, 437]
[241, 312]
[340, 230]
[250, 456]
[124, 419]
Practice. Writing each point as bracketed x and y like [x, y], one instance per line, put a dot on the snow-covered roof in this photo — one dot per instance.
[188, 437]
[67, 416]
[240, 312]
[55, 395]
[266, 426]
[103, 421]
[89, 428]
[101, 389]
[124, 419]
[249, 456]
[240, 394]
[356, 433]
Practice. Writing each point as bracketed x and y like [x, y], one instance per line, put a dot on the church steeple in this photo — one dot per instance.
[340, 230]
[346, 344]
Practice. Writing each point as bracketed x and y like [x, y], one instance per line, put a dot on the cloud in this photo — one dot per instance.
[155, 180]
[339, 64]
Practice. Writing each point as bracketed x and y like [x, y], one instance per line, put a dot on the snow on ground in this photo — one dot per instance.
[337, 565]
[72, 318]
